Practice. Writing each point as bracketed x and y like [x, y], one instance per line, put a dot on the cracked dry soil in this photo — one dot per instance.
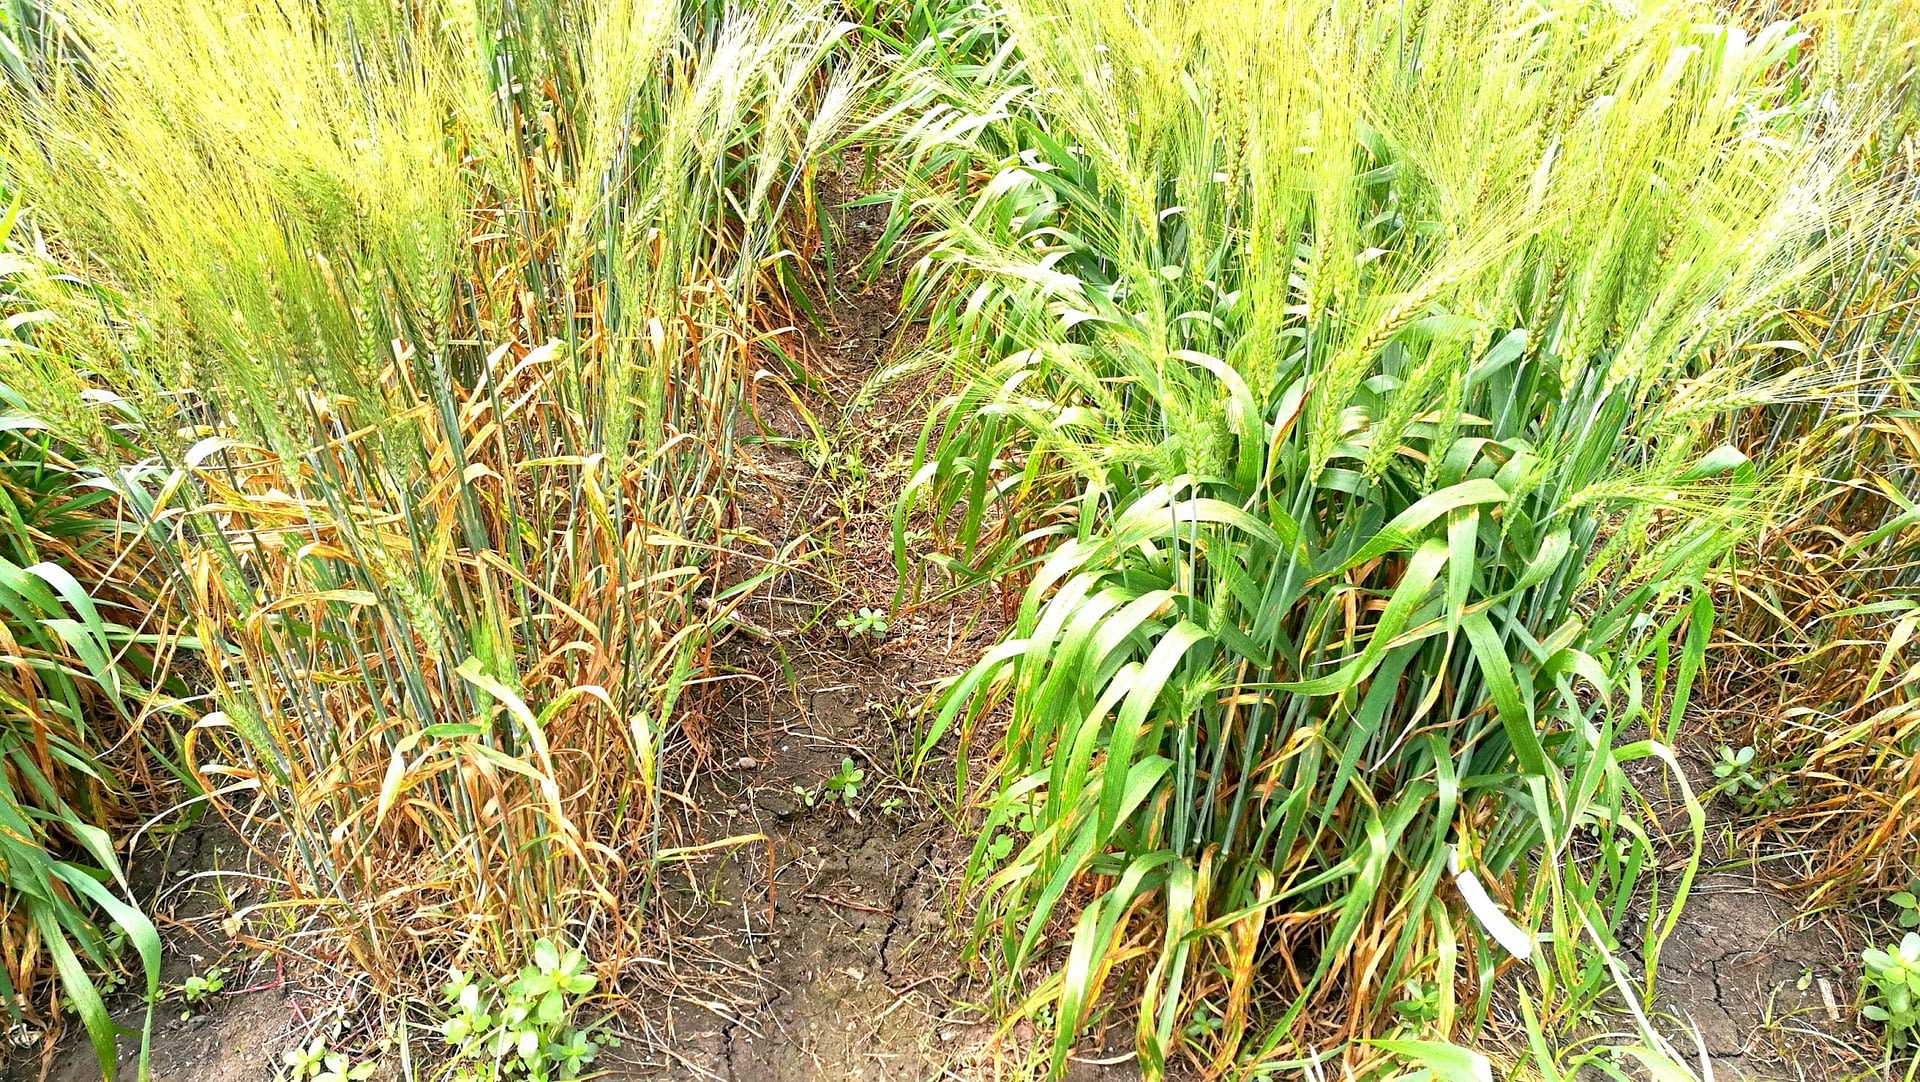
[822, 953]
[1768, 991]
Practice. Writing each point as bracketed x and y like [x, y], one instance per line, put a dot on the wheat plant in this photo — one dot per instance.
[1346, 387]
[431, 326]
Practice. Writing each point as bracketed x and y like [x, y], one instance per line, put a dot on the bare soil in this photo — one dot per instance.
[825, 951]
[1767, 990]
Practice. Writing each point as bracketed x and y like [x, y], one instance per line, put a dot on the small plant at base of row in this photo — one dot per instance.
[1001, 847]
[1891, 985]
[1419, 1004]
[843, 787]
[1748, 785]
[315, 1063]
[846, 784]
[520, 1029]
[200, 987]
[1907, 905]
[865, 624]
[1203, 1023]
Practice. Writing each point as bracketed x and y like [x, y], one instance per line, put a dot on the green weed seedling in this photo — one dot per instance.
[1002, 845]
[1906, 904]
[1203, 1023]
[835, 465]
[522, 1028]
[869, 625]
[315, 1063]
[200, 987]
[1748, 785]
[338, 1068]
[1891, 988]
[1420, 1003]
[844, 786]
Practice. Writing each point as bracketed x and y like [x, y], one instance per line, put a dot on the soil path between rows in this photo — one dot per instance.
[826, 951]
[836, 942]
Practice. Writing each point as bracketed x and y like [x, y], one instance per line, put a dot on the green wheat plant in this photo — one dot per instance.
[82, 694]
[1345, 388]
[86, 707]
